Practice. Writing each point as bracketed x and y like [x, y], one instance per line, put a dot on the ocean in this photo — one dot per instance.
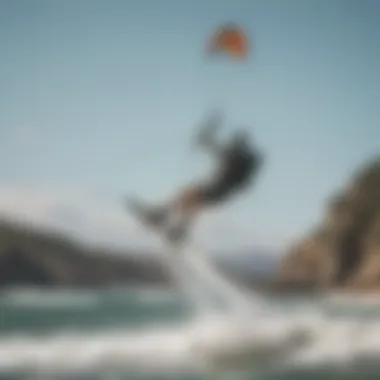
[147, 333]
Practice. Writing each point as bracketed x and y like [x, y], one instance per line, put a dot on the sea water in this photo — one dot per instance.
[140, 333]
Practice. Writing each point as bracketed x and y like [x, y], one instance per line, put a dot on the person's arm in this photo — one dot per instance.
[207, 136]
[212, 146]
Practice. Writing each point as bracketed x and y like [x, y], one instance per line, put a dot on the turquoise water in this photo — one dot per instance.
[156, 334]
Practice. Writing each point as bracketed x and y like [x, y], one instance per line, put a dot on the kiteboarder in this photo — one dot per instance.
[238, 164]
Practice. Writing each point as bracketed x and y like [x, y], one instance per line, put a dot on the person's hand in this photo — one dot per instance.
[209, 129]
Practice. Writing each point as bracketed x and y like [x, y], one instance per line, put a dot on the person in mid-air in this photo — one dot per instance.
[238, 164]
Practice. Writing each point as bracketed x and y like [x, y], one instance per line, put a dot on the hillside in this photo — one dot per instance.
[30, 257]
[343, 251]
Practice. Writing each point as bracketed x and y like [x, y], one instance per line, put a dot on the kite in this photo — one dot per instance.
[231, 41]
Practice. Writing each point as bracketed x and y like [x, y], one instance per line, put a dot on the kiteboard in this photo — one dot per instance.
[139, 209]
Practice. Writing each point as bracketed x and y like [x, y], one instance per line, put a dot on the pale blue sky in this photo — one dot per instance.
[104, 95]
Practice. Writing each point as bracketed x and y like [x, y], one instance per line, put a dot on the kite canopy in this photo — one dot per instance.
[230, 40]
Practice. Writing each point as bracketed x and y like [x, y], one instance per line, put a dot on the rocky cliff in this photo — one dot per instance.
[343, 251]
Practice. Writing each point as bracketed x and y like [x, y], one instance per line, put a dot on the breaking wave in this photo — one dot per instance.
[206, 343]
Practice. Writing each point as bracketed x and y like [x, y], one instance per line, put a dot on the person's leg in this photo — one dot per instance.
[191, 202]
[184, 210]
[180, 212]
[183, 207]
[195, 199]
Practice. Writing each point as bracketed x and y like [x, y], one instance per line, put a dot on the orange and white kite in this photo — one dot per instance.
[230, 40]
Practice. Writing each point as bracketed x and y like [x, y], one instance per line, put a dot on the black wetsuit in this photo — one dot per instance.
[238, 165]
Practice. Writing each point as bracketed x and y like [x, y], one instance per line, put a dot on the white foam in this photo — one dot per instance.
[252, 336]
[202, 284]
[347, 299]
[236, 297]
[208, 342]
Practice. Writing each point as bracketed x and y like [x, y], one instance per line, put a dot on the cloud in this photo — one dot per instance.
[81, 214]
[99, 220]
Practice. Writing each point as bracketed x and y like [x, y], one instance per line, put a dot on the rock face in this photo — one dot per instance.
[343, 252]
[28, 257]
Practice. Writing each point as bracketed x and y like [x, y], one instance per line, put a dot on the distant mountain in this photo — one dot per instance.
[251, 265]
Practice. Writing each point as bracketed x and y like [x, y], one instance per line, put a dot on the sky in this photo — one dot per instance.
[100, 99]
